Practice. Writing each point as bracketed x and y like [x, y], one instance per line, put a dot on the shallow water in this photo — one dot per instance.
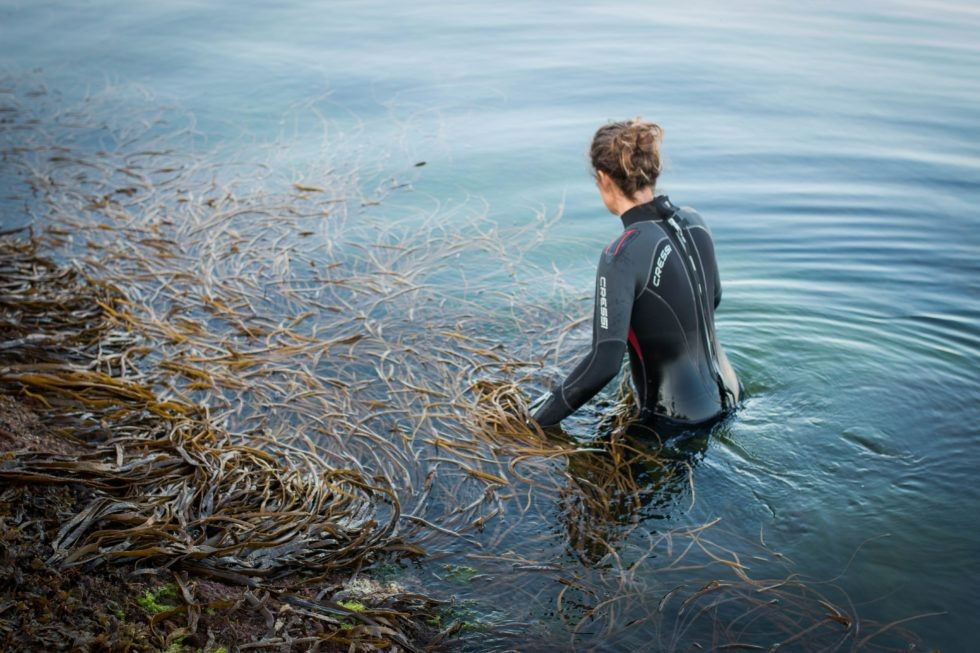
[832, 149]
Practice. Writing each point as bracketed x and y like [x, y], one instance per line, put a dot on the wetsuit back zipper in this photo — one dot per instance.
[697, 279]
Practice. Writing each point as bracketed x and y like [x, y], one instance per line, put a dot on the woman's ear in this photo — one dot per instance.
[607, 186]
[607, 190]
[603, 181]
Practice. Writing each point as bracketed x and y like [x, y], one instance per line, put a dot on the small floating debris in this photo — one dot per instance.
[308, 189]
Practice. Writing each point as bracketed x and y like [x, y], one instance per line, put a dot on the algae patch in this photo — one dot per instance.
[159, 600]
[460, 573]
[353, 606]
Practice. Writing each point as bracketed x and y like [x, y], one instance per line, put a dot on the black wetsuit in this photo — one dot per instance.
[657, 287]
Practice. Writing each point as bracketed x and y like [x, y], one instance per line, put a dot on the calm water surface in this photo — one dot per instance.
[832, 147]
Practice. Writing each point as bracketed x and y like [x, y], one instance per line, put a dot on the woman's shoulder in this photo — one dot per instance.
[693, 218]
[634, 242]
[618, 246]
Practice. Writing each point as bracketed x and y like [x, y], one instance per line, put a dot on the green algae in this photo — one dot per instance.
[155, 601]
[353, 606]
[460, 573]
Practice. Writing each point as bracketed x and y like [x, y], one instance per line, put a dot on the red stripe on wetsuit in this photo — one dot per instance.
[636, 344]
[620, 242]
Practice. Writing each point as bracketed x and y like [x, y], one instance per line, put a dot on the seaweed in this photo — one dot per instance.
[280, 378]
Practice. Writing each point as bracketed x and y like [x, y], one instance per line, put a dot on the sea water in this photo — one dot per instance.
[832, 147]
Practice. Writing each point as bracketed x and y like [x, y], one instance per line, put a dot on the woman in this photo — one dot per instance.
[657, 288]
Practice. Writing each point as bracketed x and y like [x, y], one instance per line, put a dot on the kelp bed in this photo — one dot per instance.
[283, 380]
[168, 489]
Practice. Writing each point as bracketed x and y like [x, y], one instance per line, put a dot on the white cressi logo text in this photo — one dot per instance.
[603, 306]
[660, 264]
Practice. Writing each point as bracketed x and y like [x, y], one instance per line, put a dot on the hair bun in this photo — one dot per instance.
[629, 152]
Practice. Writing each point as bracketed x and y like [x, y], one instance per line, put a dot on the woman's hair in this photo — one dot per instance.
[629, 152]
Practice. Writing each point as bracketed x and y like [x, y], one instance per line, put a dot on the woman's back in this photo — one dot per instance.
[673, 350]
[657, 287]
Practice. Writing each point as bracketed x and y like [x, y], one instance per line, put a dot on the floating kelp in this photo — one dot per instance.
[290, 377]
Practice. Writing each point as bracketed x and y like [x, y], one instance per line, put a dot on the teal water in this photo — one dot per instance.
[832, 148]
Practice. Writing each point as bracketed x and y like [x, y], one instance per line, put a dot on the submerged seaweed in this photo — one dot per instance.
[279, 380]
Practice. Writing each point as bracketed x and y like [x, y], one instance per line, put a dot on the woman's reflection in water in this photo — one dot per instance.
[629, 476]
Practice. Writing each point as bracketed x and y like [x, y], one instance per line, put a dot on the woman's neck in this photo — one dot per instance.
[624, 204]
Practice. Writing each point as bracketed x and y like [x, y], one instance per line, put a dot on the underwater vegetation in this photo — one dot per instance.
[273, 380]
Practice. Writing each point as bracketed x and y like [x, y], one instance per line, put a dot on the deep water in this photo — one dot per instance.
[833, 148]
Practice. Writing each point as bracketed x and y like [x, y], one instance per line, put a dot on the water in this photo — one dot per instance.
[831, 147]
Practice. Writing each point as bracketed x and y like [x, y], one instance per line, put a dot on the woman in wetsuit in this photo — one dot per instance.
[657, 287]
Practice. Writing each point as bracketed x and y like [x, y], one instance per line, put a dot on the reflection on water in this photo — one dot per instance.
[620, 486]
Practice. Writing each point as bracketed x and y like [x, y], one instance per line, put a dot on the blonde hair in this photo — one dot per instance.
[629, 152]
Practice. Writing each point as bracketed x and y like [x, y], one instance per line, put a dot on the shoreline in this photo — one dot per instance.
[106, 608]
[140, 595]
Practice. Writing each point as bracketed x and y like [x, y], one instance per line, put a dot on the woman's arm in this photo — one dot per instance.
[615, 289]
